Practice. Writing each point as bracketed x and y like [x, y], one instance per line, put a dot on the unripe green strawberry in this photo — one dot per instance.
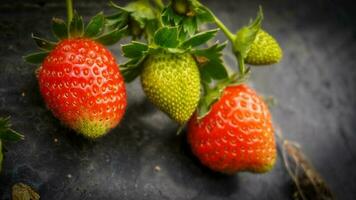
[264, 50]
[172, 83]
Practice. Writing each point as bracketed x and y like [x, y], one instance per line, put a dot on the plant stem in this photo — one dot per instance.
[232, 39]
[69, 6]
[226, 31]
[241, 62]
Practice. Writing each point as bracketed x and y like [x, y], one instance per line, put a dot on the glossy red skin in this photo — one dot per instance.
[80, 81]
[236, 135]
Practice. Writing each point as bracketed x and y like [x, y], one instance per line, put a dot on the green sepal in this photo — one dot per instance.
[112, 37]
[214, 69]
[59, 28]
[136, 52]
[205, 76]
[170, 18]
[134, 49]
[95, 25]
[6, 133]
[117, 20]
[133, 68]
[247, 34]
[203, 14]
[211, 67]
[76, 27]
[43, 44]
[167, 37]
[199, 38]
[36, 58]
[190, 25]
[213, 94]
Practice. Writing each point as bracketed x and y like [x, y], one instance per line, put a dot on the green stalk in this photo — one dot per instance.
[230, 36]
[69, 6]
[224, 29]
[241, 62]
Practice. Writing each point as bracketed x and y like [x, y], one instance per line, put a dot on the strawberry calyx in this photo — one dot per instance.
[172, 37]
[213, 91]
[167, 39]
[97, 29]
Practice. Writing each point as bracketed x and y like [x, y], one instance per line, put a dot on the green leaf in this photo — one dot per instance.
[170, 18]
[112, 37]
[200, 38]
[76, 28]
[130, 74]
[214, 51]
[215, 69]
[190, 25]
[205, 76]
[150, 29]
[117, 20]
[246, 35]
[167, 37]
[6, 133]
[59, 28]
[134, 49]
[43, 43]
[95, 25]
[204, 16]
[36, 58]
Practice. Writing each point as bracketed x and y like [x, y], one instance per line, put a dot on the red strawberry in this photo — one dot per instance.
[82, 85]
[236, 135]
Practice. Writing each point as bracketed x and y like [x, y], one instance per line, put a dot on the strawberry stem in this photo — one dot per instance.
[232, 39]
[224, 29]
[69, 6]
[241, 62]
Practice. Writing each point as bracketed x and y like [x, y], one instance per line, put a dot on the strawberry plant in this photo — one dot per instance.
[181, 71]
[230, 127]
[78, 77]
[171, 61]
[232, 130]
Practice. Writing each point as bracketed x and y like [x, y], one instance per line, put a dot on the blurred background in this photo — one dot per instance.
[142, 158]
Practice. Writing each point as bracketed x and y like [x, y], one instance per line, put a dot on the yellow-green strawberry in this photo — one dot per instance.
[172, 83]
[264, 50]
